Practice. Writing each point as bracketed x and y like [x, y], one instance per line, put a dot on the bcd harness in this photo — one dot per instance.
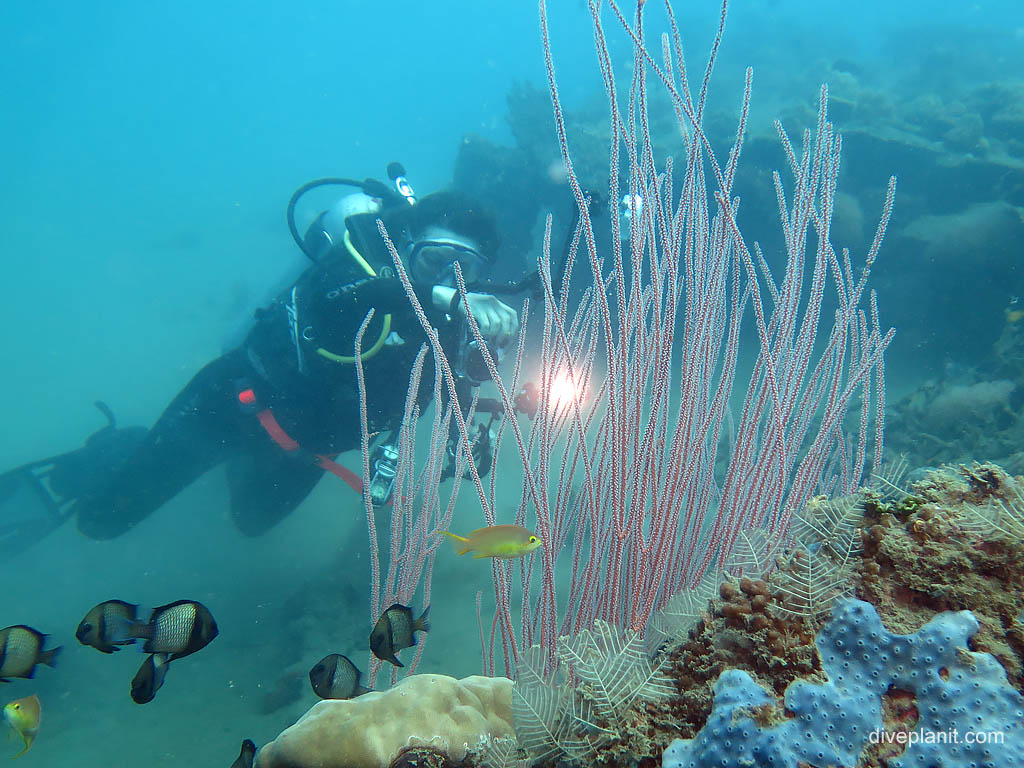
[248, 400]
[250, 403]
[298, 333]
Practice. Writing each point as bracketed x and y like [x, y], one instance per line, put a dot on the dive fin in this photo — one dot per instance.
[29, 510]
[37, 497]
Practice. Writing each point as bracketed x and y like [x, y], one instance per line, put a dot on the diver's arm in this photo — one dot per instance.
[342, 311]
[443, 297]
[383, 294]
[496, 320]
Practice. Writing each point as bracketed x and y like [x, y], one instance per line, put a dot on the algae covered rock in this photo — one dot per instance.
[437, 711]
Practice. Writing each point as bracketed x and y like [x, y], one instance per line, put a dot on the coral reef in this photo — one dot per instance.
[956, 692]
[783, 666]
[432, 711]
[597, 715]
[989, 424]
[738, 632]
[957, 150]
[933, 551]
[967, 413]
[954, 543]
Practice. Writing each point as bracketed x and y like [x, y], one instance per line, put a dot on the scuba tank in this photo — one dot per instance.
[326, 229]
[329, 226]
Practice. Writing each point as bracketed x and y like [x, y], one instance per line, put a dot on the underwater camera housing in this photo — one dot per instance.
[385, 467]
[472, 364]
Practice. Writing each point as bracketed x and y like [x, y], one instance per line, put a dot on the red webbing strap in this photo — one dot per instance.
[283, 439]
[277, 434]
[351, 479]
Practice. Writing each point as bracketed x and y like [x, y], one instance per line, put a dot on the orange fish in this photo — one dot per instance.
[24, 716]
[501, 541]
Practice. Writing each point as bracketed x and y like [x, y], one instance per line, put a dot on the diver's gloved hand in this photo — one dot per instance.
[498, 322]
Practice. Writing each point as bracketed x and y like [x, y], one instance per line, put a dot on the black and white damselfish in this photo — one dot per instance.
[245, 755]
[394, 631]
[149, 678]
[177, 629]
[336, 677]
[108, 625]
[21, 648]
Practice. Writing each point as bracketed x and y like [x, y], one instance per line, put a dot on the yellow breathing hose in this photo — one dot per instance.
[385, 330]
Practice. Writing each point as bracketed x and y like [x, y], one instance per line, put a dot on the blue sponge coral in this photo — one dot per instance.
[969, 717]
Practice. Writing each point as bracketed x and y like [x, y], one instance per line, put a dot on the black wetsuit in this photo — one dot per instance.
[313, 398]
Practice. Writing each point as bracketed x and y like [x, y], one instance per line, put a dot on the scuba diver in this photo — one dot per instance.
[282, 405]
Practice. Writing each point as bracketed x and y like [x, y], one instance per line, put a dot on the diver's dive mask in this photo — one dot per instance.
[432, 260]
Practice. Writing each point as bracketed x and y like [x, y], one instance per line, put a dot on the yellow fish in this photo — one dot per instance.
[501, 541]
[24, 716]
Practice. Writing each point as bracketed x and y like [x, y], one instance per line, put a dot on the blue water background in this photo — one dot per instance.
[147, 152]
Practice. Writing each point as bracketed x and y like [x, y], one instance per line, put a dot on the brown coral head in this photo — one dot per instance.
[737, 611]
[421, 757]
[754, 588]
[759, 623]
[728, 590]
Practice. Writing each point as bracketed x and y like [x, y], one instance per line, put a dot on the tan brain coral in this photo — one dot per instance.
[368, 732]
